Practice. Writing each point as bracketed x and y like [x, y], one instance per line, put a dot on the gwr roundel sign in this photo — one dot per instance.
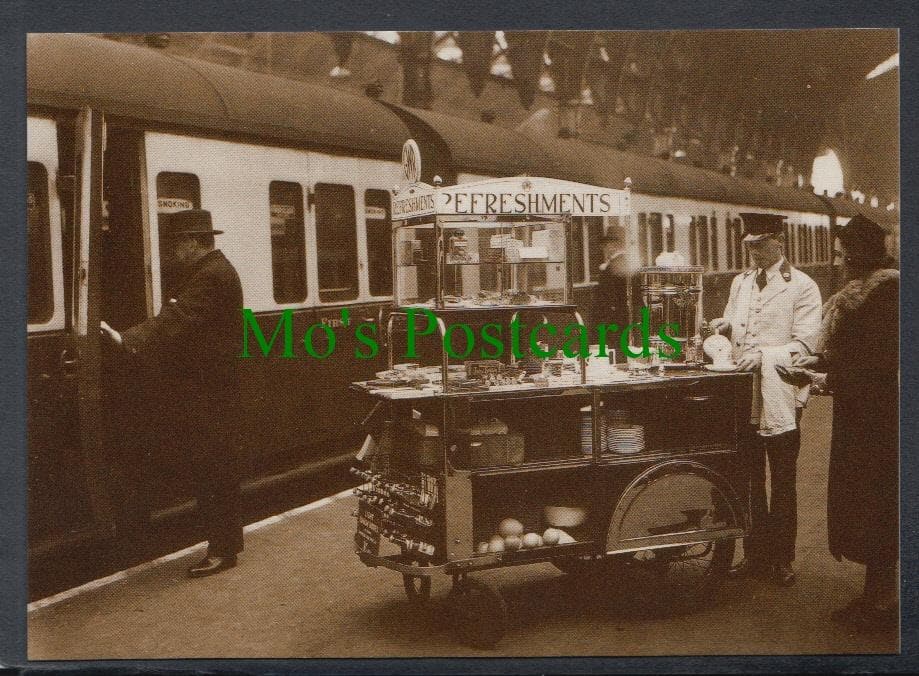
[411, 161]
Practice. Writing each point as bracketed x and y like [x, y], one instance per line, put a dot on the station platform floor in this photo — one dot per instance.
[300, 592]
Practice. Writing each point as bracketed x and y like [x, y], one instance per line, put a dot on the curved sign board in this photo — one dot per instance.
[518, 196]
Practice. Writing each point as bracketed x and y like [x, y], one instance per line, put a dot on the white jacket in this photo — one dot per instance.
[785, 314]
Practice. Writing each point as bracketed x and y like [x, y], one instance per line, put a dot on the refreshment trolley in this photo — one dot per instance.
[478, 461]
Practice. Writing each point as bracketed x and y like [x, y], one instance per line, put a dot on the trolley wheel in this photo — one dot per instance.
[681, 578]
[417, 587]
[478, 613]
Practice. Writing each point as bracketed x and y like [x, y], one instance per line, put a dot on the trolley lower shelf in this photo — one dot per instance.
[400, 563]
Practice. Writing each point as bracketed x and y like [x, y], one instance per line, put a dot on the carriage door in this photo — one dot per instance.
[124, 300]
[67, 500]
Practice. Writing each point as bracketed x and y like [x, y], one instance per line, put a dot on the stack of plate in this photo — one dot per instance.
[586, 431]
[626, 439]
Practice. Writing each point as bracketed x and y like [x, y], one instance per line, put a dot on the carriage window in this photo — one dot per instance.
[41, 288]
[729, 243]
[288, 242]
[693, 242]
[379, 242]
[702, 236]
[643, 237]
[657, 236]
[177, 192]
[714, 241]
[670, 233]
[738, 245]
[788, 245]
[800, 239]
[336, 242]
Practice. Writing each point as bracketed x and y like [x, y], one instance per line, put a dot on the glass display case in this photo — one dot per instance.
[485, 263]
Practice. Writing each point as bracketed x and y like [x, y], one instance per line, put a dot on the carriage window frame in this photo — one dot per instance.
[693, 242]
[740, 254]
[643, 237]
[702, 240]
[347, 253]
[52, 296]
[801, 246]
[383, 278]
[728, 244]
[713, 241]
[295, 242]
[656, 240]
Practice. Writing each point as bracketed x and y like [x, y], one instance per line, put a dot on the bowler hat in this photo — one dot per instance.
[760, 226]
[188, 222]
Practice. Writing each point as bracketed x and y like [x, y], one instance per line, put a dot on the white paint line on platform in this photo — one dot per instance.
[147, 565]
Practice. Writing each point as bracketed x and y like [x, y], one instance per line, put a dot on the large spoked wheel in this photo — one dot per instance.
[680, 578]
[417, 587]
[478, 613]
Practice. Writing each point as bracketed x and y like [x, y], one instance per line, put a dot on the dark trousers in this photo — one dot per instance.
[218, 511]
[774, 523]
[216, 485]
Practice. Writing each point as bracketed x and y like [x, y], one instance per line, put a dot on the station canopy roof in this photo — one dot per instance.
[78, 70]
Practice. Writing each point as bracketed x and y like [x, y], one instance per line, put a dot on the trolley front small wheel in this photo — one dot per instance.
[478, 612]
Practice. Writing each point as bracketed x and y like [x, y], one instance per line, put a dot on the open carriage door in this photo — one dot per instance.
[87, 290]
[67, 488]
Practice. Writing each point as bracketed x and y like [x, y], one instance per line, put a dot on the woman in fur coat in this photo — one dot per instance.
[860, 361]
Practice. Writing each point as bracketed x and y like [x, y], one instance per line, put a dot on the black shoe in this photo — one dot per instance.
[849, 613]
[751, 568]
[783, 575]
[211, 564]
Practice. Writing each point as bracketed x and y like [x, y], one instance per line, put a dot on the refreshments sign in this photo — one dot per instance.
[520, 196]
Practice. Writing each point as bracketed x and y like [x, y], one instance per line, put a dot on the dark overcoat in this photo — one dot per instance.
[612, 293]
[862, 353]
[192, 347]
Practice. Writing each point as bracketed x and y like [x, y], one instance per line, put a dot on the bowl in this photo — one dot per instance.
[564, 517]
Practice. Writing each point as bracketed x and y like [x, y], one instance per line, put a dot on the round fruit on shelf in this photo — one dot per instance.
[510, 527]
[496, 544]
[512, 543]
[531, 540]
[551, 536]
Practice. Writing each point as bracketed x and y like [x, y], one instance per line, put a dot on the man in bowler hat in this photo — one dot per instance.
[773, 313]
[193, 343]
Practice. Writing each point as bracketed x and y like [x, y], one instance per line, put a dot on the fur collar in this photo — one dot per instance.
[850, 298]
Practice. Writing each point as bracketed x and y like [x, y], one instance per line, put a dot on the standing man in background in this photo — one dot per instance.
[192, 343]
[773, 317]
[612, 289]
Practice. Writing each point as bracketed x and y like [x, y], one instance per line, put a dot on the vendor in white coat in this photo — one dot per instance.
[772, 316]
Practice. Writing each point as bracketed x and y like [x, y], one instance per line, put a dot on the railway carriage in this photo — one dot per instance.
[300, 178]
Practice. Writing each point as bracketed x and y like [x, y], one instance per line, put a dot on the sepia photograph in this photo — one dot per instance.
[418, 344]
